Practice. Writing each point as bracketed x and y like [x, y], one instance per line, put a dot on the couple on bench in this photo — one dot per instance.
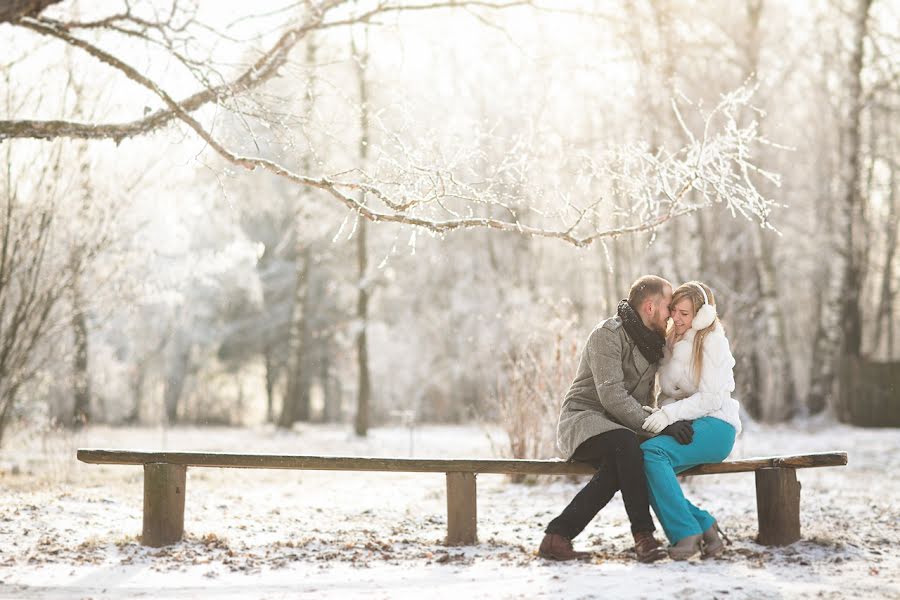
[609, 419]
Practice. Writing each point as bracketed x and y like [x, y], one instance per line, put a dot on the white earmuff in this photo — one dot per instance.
[707, 313]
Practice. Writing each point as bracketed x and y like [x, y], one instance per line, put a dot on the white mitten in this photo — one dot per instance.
[657, 422]
[651, 409]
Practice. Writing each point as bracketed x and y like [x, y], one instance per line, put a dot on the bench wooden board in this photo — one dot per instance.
[427, 465]
[777, 489]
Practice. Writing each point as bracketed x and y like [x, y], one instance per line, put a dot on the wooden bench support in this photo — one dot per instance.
[778, 506]
[164, 488]
[462, 514]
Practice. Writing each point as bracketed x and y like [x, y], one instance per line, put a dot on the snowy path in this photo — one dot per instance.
[68, 530]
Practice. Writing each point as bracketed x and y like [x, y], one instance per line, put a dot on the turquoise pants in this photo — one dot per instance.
[664, 457]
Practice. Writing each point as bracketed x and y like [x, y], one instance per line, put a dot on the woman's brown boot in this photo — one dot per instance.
[712, 543]
[647, 548]
[686, 547]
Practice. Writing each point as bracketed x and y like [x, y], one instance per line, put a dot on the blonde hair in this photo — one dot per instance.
[691, 290]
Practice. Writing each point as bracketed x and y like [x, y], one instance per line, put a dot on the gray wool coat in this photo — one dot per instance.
[613, 381]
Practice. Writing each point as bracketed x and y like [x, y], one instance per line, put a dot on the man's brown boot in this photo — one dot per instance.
[557, 547]
[647, 548]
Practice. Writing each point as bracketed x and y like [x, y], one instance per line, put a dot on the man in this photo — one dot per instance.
[601, 419]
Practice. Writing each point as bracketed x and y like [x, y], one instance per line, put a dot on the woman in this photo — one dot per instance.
[696, 381]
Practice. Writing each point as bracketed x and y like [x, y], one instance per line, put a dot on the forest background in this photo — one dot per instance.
[392, 211]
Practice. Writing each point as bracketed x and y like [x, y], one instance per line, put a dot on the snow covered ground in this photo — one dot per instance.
[69, 530]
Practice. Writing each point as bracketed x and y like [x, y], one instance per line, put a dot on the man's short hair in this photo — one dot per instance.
[648, 286]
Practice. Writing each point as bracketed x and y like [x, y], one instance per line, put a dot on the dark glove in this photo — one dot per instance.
[682, 431]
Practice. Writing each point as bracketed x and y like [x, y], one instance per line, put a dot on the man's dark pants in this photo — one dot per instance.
[619, 461]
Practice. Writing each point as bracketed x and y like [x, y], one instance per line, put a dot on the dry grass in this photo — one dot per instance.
[532, 386]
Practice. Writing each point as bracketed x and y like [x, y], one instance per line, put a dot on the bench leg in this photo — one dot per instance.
[462, 521]
[778, 506]
[163, 504]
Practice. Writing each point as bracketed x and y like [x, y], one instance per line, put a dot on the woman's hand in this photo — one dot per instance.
[656, 422]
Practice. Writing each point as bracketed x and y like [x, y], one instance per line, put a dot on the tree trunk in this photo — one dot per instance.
[81, 391]
[179, 366]
[776, 384]
[752, 400]
[7, 401]
[307, 354]
[304, 380]
[136, 384]
[884, 323]
[838, 330]
[853, 204]
[361, 425]
[290, 409]
[826, 286]
[271, 376]
[81, 388]
[777, 391]
[362, 352]
[825, 342]
[331, 409]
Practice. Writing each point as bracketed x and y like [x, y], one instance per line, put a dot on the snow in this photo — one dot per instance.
[69, 530]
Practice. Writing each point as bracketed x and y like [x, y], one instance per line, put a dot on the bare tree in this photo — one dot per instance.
[34, 278]
[840, 333]
[296, 399]
[884, 321]
[775, 386]
[855, 255]
[364, 385]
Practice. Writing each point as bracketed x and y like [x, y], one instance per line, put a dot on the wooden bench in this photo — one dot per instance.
[777, 488]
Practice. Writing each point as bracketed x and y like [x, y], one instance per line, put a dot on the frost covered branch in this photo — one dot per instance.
[635, 189]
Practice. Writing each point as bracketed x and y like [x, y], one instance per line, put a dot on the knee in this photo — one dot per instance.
[607, 476]
[654, 454]
[628, 447]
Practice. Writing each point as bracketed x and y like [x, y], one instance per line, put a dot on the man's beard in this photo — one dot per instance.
[660, 326]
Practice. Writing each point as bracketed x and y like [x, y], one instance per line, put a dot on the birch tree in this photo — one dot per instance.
[840, 334]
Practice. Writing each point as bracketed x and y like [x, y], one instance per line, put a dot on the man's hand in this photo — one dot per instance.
[682, 431]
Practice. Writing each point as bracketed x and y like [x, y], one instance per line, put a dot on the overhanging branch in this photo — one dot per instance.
[686, 176]
[262, 70]
[259, 72]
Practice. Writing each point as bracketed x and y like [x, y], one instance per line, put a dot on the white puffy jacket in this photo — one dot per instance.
[683, 400]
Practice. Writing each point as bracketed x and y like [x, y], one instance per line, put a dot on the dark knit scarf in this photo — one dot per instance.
[649, 342]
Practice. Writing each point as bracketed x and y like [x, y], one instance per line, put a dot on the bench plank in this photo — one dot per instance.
[426, 465]
[798, 461]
